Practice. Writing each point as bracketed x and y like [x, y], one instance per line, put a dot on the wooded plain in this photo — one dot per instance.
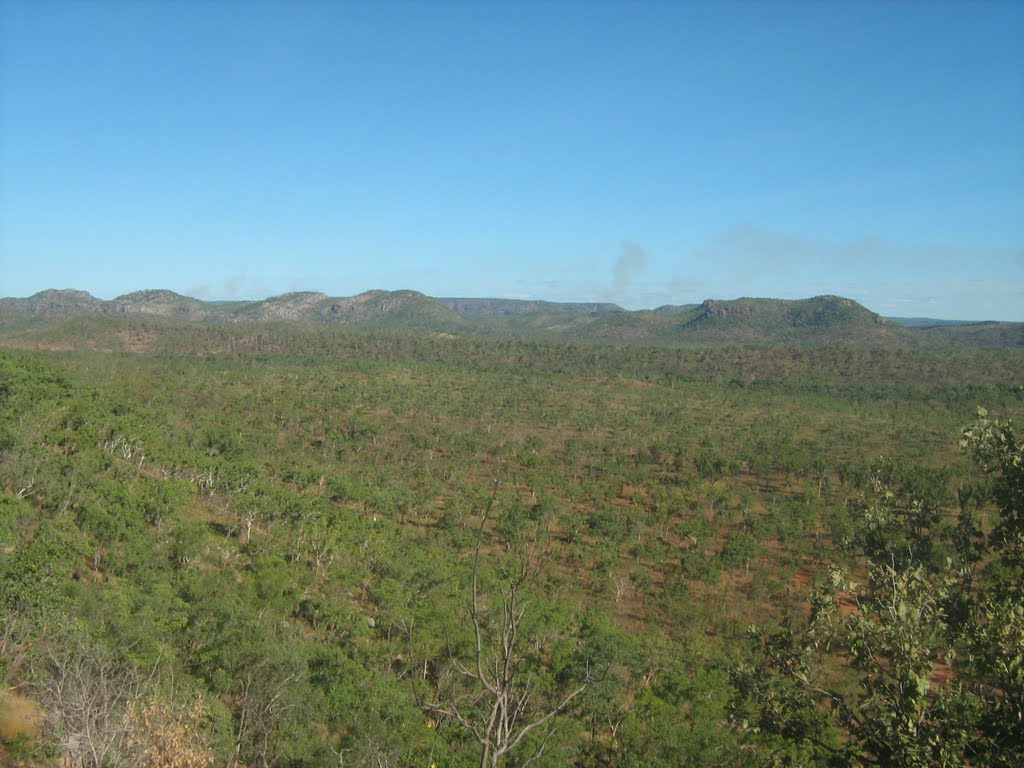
[292, 543]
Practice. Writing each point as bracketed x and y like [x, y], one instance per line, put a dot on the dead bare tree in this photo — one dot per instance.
[262, 702]
[85, 691]
[162, 735]
[500, 711]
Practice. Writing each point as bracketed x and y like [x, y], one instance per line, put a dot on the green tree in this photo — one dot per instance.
[993, 633]
[935, 659]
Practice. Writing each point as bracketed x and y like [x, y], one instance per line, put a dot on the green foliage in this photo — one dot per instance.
[935, 656]
[35, 578]
[994, 630]
[739, 549]
[278, 520]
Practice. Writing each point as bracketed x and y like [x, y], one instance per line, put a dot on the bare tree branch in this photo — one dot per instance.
[502, 713]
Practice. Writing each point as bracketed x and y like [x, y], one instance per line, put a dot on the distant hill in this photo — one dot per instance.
[58, 303]
[970, 333]
[822, 319]
[987, 334]
[162, 303]
[925, 322]
[372, 307]
[818, 320]
[519, 307]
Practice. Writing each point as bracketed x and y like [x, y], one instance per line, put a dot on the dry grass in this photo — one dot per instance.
[18, 715]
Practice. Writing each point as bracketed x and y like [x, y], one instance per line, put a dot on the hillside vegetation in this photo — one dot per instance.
[292, 542]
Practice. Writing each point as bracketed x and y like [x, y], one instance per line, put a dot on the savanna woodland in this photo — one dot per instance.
[296, 543]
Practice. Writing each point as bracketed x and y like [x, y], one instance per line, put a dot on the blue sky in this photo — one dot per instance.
[643, 153]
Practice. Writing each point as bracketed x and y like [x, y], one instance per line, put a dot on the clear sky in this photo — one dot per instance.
[644, 153]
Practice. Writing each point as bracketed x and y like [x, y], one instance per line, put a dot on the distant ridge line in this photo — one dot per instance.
[815, 320]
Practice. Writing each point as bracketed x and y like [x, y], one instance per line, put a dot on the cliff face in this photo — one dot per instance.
[62, 303]
[721, 309]
[288, 306]
[159, 302]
